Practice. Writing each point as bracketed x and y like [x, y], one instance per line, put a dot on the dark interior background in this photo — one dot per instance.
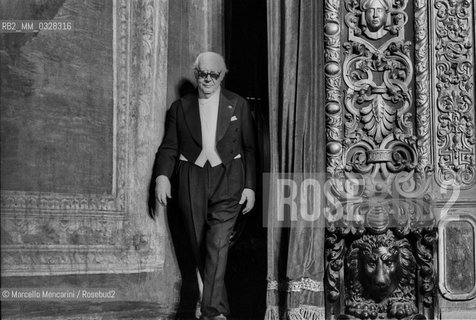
[246, 57]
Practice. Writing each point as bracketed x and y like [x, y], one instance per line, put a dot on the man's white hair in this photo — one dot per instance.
[211, 54]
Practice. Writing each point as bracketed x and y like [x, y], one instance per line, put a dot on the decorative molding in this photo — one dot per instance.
[422, 88]
[333, 80]
[121, 56]
[143, 48]
[53, 234]
[64, 230]
[426, 240]
[381, 171]
[65, 244]
[443, 257]
[455, 145]
[61, 260]
[378, 96]
[115, 202]
[379, 149]
[18, 201]
[335, 253]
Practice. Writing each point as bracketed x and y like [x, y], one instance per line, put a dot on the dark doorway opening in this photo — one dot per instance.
[246, 57]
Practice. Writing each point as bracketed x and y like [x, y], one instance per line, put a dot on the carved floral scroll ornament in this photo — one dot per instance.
[456, 148]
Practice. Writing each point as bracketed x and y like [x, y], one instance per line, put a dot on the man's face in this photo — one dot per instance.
[375, 15]
[209, 76]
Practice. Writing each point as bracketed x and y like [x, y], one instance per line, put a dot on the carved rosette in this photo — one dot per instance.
[454, 79]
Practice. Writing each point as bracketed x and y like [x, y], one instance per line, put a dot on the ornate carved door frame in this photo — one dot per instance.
[400, 152]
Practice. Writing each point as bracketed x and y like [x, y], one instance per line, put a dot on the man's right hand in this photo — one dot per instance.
[162, 189]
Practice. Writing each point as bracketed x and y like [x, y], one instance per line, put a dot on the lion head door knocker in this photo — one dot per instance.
[381, 277]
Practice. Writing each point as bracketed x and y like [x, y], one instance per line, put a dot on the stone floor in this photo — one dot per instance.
[138, 294]
[82, 310]
[92, 311]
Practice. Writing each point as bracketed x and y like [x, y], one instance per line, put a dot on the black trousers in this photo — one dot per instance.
[208, 199]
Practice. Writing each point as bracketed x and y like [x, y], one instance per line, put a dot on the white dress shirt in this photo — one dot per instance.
[208, 120]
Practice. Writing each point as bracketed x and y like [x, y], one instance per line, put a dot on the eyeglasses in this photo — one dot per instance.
[212, 74]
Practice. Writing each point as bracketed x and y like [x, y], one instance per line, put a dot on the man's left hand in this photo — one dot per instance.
[247, 195]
